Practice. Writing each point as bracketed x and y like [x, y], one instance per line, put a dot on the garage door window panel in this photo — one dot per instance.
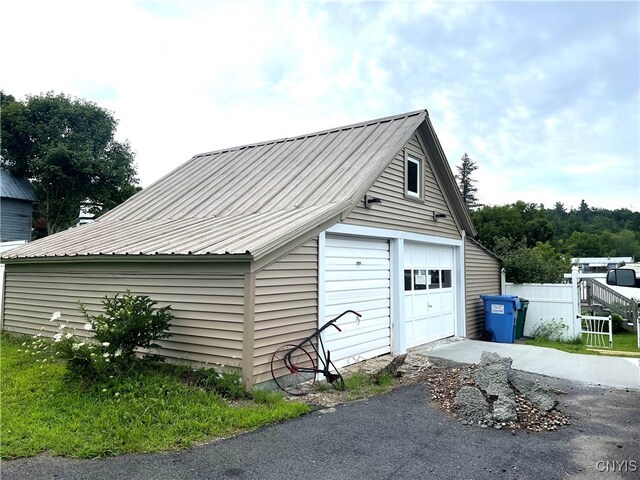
[434, 279]
[420, 279]
[408, 283]
[446, 277]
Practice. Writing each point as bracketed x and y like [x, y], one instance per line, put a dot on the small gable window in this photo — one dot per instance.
[413, 175]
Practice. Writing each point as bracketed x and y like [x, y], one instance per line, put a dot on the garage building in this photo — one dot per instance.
[255, 246]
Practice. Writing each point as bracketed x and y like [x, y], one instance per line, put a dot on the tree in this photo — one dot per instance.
[466, 184]
[584, 244]
[66, 147]
[584, 211]
[519, 221]
[580, 232]
[540, 264]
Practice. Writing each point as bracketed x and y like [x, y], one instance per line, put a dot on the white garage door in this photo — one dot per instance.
[429, 306]
[357, 278]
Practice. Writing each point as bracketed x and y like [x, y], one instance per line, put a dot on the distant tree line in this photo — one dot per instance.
[537, 243]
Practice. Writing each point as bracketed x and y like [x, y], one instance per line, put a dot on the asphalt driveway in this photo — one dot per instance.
[399, 435]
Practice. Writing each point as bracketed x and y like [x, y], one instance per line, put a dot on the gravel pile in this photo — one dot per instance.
[491, 394]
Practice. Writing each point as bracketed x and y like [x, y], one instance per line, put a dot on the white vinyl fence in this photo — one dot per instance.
[549, 302]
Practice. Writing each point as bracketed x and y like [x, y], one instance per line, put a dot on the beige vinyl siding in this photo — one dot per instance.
[207, 306]
[400, 213]
[286, 304]
[482, 275]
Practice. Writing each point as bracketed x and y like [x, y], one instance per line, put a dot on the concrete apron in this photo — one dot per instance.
[619, 372]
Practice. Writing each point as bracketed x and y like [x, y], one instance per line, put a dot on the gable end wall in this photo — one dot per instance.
[400, 213]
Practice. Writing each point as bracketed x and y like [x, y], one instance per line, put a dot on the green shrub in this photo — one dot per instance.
[616, 323]
[129, 322]
[539, 264]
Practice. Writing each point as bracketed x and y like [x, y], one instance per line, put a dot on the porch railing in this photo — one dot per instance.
[593, 292]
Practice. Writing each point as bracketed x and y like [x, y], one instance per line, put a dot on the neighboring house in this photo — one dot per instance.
[16, 206]
[599, 264]
[255, 246]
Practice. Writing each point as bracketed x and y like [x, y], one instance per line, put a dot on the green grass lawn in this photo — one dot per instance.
[622, 342]
[151, 411]
[625, 342]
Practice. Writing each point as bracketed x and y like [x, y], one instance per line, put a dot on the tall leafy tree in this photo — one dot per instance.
[66, 147]
[466, 183]
[518, 221]
[540, 264]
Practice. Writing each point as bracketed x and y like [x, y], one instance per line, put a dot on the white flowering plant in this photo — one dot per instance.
[81, 354]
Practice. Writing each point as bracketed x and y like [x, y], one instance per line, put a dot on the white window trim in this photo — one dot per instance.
[418, 162]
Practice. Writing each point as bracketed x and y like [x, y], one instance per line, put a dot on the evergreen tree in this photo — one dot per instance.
[466, 183]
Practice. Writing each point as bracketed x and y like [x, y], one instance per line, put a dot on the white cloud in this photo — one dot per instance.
[541, 95]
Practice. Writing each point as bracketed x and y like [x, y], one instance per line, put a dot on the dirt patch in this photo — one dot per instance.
[325, 396]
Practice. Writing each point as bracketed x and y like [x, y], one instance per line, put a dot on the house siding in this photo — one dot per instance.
[207, 304]
[15, 220]
[286, 304]
[482, 276]
[400, 213]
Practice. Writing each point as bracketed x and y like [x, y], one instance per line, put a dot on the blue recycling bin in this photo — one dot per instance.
[500, 313]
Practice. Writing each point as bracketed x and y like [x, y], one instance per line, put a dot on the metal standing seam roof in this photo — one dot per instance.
[244, 200]
[15, 187]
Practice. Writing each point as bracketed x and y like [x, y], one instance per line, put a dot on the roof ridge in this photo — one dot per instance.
[198, 218]
[314, 134]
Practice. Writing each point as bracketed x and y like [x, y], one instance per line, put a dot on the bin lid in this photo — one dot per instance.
[501, 298]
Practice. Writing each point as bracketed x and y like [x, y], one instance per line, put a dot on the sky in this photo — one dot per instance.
[543, 96]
